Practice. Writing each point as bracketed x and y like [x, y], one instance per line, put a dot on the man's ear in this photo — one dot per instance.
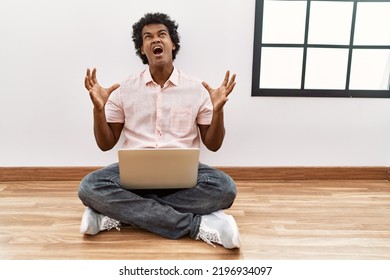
[142, 50]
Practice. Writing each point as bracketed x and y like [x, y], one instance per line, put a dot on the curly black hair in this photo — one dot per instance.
[155, 18]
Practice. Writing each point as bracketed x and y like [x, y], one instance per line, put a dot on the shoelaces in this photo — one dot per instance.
[108, 223]
[209, 236]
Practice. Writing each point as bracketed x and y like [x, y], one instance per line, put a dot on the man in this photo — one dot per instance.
[161, 107]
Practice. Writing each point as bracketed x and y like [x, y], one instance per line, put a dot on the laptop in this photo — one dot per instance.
[158, 168]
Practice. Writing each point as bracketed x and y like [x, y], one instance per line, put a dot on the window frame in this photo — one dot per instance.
[302, 92]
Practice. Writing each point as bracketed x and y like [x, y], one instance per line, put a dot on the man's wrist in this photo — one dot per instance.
[218, 111]
[98, 110]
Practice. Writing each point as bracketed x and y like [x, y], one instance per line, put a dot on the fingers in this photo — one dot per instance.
[88, 81]
[86, 84]
[206, 85]
[232, 80]
[94, 76]
[228, 84]
[231, 85]
[112, 88]
[226, 79]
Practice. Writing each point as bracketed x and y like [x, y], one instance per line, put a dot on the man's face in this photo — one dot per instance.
[157, 45]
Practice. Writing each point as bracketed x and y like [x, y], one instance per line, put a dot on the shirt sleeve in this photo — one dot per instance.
[114, 108]
[206, 109]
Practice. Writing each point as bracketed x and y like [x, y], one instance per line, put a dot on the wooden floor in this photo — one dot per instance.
[278, 220]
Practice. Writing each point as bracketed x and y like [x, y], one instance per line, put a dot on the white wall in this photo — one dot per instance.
[46, 114]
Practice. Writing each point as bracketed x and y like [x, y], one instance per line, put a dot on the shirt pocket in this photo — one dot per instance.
[181, 119]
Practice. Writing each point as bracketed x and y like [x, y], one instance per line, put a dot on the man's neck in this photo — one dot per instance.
[161, 74]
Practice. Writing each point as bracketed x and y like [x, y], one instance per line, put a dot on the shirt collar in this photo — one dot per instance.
[174, 78]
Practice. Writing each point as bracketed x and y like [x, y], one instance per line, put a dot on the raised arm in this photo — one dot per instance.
[213, 134]
[106, 134]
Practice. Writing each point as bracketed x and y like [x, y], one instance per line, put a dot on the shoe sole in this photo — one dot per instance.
[230, 219]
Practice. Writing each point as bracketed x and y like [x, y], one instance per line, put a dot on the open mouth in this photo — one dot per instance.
[157, 50]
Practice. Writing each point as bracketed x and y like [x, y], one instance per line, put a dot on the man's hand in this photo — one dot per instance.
[99, 95]
[220, 95]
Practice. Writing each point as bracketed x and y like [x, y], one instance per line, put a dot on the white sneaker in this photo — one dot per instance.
[219, 228]
[92, 223]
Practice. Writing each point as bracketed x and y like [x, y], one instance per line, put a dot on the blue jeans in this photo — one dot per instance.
[169, 213]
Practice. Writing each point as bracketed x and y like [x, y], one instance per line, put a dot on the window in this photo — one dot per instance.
[322, 48]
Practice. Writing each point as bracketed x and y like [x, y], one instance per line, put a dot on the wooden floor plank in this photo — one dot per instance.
[315, 219]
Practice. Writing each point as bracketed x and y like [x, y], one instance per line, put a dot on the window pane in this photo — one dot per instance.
[330, 23]
[370, 69]
[326, 68]
[372, 24]
[284, 21]
[281, 68]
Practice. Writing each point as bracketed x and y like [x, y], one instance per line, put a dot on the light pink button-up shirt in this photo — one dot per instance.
[156, 117]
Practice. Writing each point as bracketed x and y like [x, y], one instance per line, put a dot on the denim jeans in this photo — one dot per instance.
[169, 213]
